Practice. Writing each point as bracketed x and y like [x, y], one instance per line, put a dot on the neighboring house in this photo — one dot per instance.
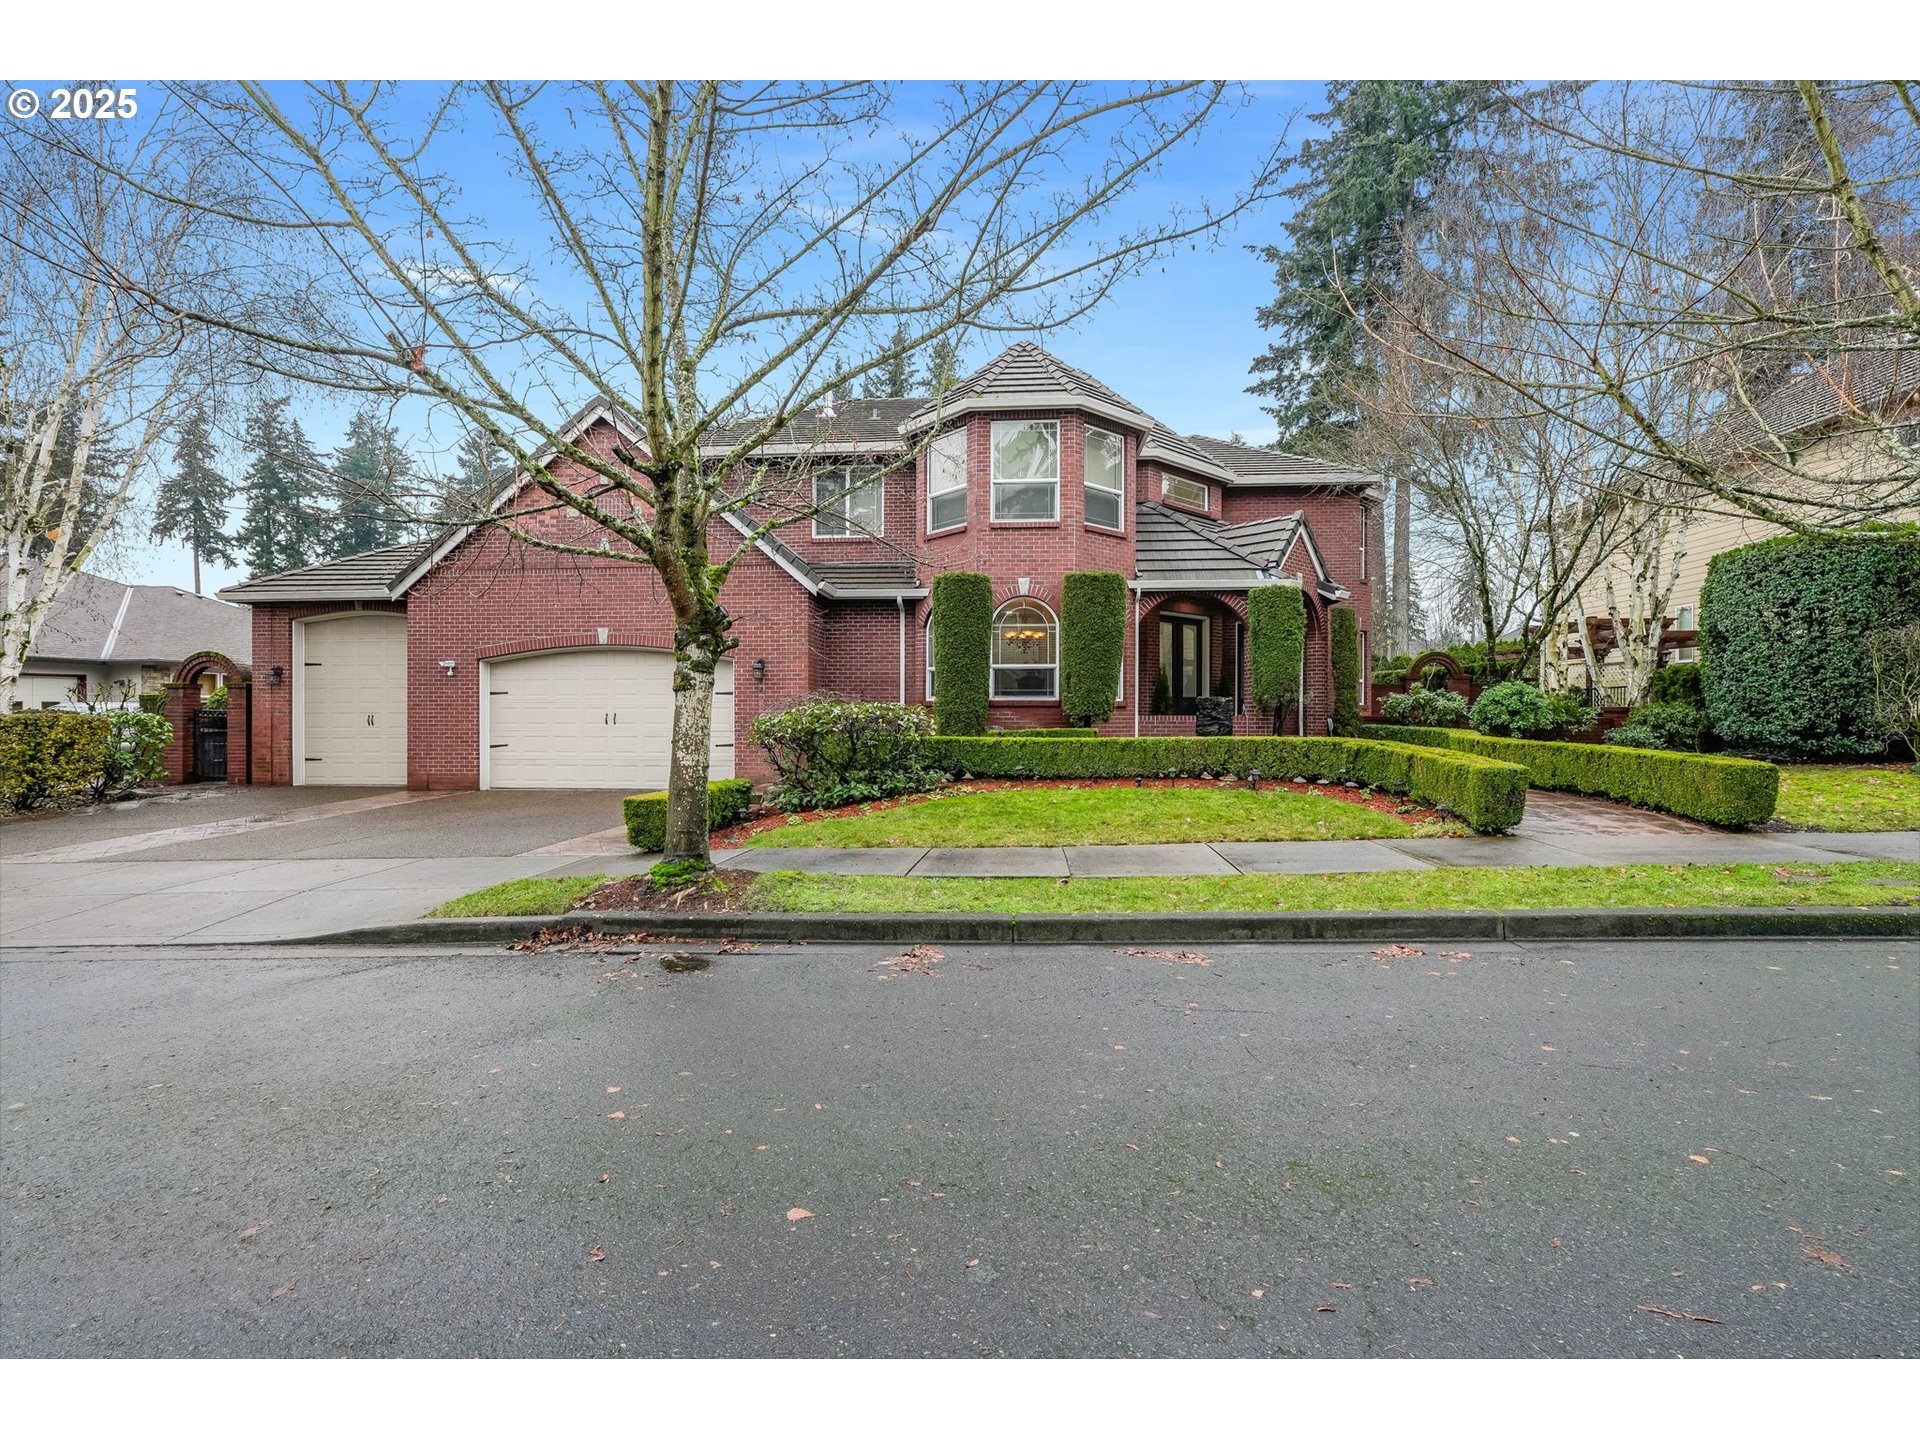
[1853, 427]
[479, 660]
[104, 642]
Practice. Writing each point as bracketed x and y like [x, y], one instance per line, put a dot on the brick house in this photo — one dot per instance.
[477, 660]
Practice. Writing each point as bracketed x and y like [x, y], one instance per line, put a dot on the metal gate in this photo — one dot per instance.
[210, 744]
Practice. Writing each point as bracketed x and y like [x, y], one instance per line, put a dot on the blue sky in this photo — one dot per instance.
[1176, 340]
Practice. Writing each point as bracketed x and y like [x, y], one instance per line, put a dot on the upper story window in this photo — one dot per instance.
[1183, 491]
[1106, 478]
[1026, 470]
[848, 504]
[1026, 652]
[947, 481]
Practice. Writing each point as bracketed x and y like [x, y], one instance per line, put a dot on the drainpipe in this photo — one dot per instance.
[1136, 664]
[900, 603]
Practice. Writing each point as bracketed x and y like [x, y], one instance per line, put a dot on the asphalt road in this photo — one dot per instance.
[1307, 1150]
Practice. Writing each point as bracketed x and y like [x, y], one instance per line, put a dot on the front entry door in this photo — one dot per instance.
[1183, 658]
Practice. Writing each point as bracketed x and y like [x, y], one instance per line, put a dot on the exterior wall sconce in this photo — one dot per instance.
[760, 670]
[277, 674]
[446, 668]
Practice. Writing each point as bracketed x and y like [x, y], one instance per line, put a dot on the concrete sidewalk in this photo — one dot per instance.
[1328, 857]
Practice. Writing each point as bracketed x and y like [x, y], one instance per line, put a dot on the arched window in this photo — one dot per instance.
[1026, 651]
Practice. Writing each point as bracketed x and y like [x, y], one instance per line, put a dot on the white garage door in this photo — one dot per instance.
[354, 711]
[592, 720]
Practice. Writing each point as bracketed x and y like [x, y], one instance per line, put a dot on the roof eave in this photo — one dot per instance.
[1028, 400]
[235, 595]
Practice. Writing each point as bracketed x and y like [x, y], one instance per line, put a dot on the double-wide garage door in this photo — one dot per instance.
[598, 719]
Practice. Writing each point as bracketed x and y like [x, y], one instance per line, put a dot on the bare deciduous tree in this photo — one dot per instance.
[711, 254]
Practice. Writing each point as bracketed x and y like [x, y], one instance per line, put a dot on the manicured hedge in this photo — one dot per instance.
[53, 757]
[1276, 646]
[1719, 789]
[1487, 795]
[1093, 638]
[1346, 671]
[962, 651]
[646, 815]
[1051, 732]
[1783, 635]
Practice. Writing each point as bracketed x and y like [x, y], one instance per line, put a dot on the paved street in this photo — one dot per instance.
[1308, 1150]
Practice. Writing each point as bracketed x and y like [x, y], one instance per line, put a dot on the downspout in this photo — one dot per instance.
[1136, 664]
[900, 602]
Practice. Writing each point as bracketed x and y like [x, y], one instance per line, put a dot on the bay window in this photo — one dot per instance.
[1026, 470]
[1106, 478]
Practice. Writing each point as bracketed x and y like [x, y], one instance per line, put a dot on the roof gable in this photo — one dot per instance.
[1025, 377]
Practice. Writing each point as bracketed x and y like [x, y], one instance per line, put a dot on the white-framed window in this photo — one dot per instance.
[1106, 479]
[1183, 491]
[1026, 470]
[1026, 651]
[929, 658]
[848, 504]
[1684, 621]
[1366, 671]
[1366, 536]
[947, 482]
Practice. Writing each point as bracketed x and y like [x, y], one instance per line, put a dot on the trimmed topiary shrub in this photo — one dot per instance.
[1421, 706]
[1276, 647]
[1677, 685]
[962, 651]
[1051, 732]
[1718, 789]
[646, 814]
[1487, 795]
[840, 752]
[1514, 707]
[1784, 625]
[1345, 638]
[1093, 639]
[54, 757]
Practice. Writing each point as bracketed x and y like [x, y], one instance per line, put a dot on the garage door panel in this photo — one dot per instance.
[354, 701]
[598, 719]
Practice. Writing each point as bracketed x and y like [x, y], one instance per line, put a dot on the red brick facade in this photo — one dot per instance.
[494, 595]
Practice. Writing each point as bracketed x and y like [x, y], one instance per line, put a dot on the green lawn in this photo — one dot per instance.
[1104, 815]
[1848, 883]
[1849, 797]
[1541, 888]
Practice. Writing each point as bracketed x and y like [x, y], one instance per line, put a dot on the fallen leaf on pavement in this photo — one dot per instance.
[796, 1213]
[972, 1263]
[1397, 952]
[915, 959]
[1457, 954]
[1175, 957]
[1699, 1159]
[594, 1252]
[1825, 1257]
[1323, 1310]
[286, 1289]
[1416, 1281]
[1259, 1294]
[1681, 1315]
[616, 1115]
[253, 1230]
[605, 1178]
[1341, 1284]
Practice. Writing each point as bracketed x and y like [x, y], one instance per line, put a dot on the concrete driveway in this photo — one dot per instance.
[224, 863]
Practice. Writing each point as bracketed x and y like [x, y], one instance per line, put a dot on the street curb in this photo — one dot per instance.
[1165, 928]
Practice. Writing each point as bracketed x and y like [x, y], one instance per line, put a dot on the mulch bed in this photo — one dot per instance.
[761, 819]
[717, 890]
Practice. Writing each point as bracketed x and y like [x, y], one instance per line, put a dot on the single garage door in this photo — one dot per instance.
[598, 719]
[354, 708]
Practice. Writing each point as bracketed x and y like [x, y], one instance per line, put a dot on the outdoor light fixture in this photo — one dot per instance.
[276, 675]
[760, 669]
[446, 668]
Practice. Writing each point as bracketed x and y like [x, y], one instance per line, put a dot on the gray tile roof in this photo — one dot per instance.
[1173, 551]
[1257, 465]
[856, 427]
[1873, 382]
[841, 580]
[1025, 377]
[1170, 449]
[99, 619]
[371, 575]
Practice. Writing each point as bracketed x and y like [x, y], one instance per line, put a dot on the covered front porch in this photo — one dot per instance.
[1189, 650]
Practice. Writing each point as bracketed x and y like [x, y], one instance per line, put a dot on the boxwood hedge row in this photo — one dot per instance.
[646, 814]
[1719, 789]
[1488, 795]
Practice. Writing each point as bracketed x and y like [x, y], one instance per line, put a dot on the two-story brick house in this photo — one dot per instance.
[479, 660]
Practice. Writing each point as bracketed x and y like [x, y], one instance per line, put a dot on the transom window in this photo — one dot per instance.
[1106, 478]
[848, 504]
[1183, 491]
[1026, 469]
[1026, 652]
[947, 481]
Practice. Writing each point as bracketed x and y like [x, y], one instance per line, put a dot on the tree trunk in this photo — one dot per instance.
[1400, 624]
[698, 648]
[196, 569]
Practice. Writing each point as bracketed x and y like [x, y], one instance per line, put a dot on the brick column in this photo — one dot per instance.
[239, 732]
[183, 698]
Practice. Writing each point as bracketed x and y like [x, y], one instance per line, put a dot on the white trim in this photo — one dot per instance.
[119, 618]
[298, 682]
[1027, 400]
[877, 479]
[486, 723]
[1301, 532]
[806, 582]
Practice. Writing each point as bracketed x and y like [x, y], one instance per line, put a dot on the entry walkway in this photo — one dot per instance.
[1694, 846]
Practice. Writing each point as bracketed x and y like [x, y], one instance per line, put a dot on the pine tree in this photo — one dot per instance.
[191, 504]
[895, 377]
[1388, 140]
[283, 527]
[106, 463]
[942, 366]
[368, 471]
[480, 467]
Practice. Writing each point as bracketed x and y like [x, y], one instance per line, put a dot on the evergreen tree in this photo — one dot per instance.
[191, 504]
[942, 366]
[895, 378]
[106, 464]
[1387, 142]
[283, 527]
[369, 472]
[480, 468]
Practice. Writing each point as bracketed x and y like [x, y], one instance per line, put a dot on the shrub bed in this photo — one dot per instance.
[646, 814]
[835, 752]
[1718, 789]
[64, 757]
[1488, 795]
